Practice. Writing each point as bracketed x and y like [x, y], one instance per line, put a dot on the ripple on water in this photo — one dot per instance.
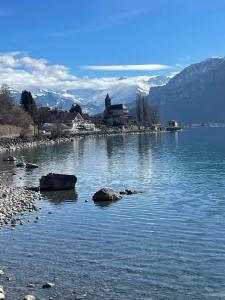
[166, 243]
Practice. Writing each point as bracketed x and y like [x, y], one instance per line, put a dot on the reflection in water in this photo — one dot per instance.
[163, 244]
[103, 203]
[115, 144]
[78, 145]
[176, 135]
[58, 197]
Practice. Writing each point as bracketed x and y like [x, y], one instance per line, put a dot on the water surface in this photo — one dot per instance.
[167, 243]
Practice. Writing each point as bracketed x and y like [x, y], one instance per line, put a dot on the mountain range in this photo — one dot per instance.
[121, 90]
[195, 95]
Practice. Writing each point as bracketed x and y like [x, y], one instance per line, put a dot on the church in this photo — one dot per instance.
[115, 114]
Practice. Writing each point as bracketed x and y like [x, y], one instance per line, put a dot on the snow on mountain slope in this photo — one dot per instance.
[124, 90]
[56, 99]
[195, 95]
[121, 90]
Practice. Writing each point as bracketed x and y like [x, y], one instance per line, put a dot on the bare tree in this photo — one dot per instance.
[10, 113]
[147, 114]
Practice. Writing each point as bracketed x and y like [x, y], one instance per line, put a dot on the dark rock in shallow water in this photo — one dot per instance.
[129, 192]
[31, 166]
[106, 194]
[57, 182]
[9, 158]
[48, 285]
[21, 164]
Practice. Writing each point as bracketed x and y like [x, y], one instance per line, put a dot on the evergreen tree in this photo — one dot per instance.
[76, 108]
[29, 105]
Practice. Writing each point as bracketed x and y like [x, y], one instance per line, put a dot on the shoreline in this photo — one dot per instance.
[13, 144]
[15, 201]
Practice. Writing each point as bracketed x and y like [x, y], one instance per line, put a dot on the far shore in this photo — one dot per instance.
[18, 143]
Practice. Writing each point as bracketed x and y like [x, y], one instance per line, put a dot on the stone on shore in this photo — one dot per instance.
[29, 297]
[2, 292]
[21, 164]
[57, 182]
[14, 201]
[31, 166]
[48, 285]
[9, 158]
[106, 194]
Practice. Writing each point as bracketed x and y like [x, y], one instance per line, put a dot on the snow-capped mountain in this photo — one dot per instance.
[52, 98]
[121, 90]
[195, 95]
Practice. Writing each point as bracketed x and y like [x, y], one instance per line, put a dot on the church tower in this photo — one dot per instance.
[107, 105]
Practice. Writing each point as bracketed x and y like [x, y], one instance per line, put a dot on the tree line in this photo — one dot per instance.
[27, 113]
[10, 113]
[146, 114]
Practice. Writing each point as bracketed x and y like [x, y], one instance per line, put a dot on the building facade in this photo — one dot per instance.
[116, 114]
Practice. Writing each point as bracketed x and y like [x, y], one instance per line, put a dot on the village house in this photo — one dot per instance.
[77, 123]
[66, 122]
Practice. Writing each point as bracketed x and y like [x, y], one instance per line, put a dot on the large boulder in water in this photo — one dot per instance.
[57, 182]
[106, 194]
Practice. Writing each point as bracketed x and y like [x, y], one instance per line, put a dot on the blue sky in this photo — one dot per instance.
[79, 33]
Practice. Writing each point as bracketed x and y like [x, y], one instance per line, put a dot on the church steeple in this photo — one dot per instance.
[107, 106]
[107, 102]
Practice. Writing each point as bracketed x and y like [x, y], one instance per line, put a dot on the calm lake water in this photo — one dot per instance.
[167, 243]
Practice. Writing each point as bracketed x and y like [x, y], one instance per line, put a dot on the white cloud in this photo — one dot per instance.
[20, 71]
[147, 67]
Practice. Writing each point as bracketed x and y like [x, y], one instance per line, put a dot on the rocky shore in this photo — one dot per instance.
[9, 144]
[14, 201]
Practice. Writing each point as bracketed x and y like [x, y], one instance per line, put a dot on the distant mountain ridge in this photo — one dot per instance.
[123, 90]
[195, 95]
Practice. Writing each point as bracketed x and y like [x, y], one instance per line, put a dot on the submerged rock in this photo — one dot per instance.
[2, 292]
[29, 297]
[21, 164]
[9, 158]
[129, 192]
[57, 182]
[31, 166]
[106, 194]
[48, 285]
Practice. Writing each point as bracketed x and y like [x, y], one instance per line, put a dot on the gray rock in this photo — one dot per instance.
[29, 297]
[31, 285]
[48, 285]
[9, 158]
[21, 164]
[31, 166]
[2, 273]
[129, 192]
[57, 182]
[2, 292]
[106, 194]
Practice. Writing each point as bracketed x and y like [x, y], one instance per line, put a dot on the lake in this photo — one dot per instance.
[166, 243]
